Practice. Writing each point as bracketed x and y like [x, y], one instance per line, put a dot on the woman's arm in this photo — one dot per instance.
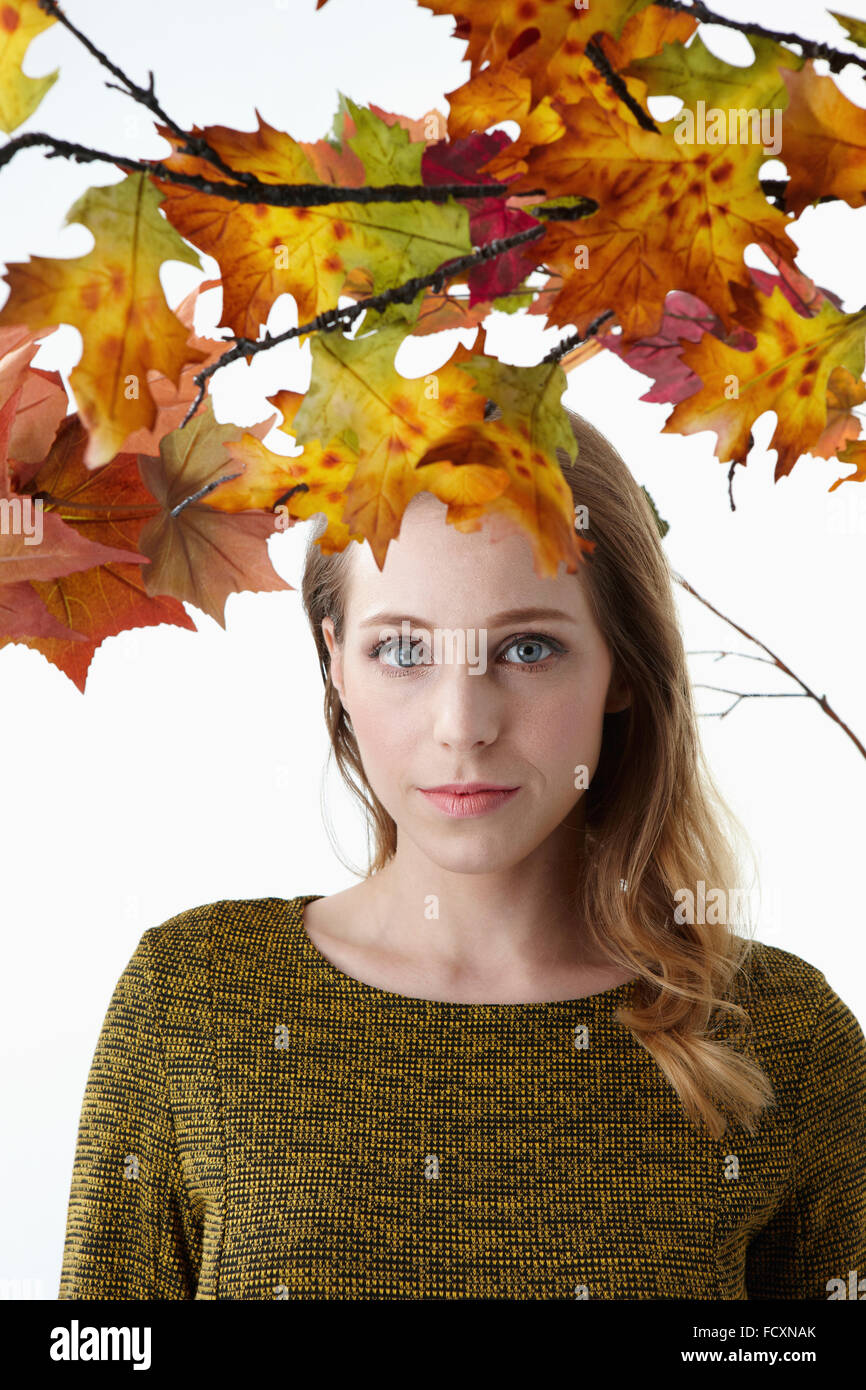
[131, 1232]
[818, 1234]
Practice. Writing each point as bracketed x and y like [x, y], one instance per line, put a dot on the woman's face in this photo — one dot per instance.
[515, 701]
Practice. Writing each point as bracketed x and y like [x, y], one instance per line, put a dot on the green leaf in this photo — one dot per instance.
[856, 27]
[528, 394]
[695, 74]
[663, 526]
[386, 151]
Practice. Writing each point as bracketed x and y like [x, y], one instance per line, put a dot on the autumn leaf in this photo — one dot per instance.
[856, 28]
[308, 252]
[357, 398]
[685, 319]
[531, 86]
[844, 391]
[23, 615]
[798, 289]
[645, 34]
[305, 485]
[490, 218]
[41, 406]
[671, 216]
[198, 552]
[446, 309]
[531, 31]
[854, 453]
[114, 297]
[35, 544]
[293, 487]
[20, 22]
[825, 142]
[694, 74]
[102, 507]
[173, 398]
[523, 443]
[787, 371]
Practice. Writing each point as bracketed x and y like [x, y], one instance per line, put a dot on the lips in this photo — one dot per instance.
[468, 788]
[474, 803]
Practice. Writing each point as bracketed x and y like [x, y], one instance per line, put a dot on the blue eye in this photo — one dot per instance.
[531, 642]
[411, 654]
[408, 653]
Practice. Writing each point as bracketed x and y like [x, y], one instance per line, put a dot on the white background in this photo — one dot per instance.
[192, 768]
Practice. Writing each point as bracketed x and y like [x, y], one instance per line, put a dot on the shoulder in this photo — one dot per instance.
[215, 934]
[793, 1007]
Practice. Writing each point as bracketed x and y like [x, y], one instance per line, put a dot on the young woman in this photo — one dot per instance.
[528, 1056]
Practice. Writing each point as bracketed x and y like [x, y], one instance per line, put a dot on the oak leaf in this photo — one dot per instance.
[20, 22]
[357, 398]
[787, 371]
[670, 216]
[309, 252]
[113, 296]
[108, 504]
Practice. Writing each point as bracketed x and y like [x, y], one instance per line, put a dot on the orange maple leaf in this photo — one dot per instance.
[787, 371]
[113, 295]
[824, 141]
[108, 504]
[671, 216]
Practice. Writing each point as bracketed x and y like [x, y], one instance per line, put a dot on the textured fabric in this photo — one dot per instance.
[259, 1125]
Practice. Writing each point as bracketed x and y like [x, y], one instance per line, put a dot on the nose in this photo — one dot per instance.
[467, 708]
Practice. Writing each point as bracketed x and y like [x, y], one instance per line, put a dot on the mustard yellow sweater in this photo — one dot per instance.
[258, 1125]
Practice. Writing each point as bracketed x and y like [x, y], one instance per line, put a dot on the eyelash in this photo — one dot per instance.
[558, 649]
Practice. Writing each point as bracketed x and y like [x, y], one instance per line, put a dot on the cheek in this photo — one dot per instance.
[383, 726]
[566, 735]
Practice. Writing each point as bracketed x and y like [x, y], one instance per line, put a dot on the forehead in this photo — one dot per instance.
[455, 577]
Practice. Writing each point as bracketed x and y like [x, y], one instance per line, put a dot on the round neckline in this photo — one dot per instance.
[352, 985]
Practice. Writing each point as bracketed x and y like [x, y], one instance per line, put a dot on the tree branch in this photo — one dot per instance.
[574, 339]
[811, 48]
[273, 194]
[595, 53]
[776, 661]
[146, 96]
[330, 319]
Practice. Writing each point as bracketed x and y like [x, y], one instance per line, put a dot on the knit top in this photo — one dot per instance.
[258, 1125]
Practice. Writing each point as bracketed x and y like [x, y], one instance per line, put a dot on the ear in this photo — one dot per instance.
[618, 695]
[336, 657]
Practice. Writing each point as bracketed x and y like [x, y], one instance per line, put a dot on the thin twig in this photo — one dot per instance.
[811, 48]
[284, 195]
[331, 319]
[718, 653]
[146, 96]
[574, 339]
[596, 55]
[776, 661]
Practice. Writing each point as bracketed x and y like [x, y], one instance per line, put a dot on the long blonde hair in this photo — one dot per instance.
[656, 823]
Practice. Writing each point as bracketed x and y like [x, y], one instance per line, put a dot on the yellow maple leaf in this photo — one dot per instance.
[787, 371]
[113, 296]
[310, 252]
[357, 398]
[20, 22]
[824, 141]
[671, 216]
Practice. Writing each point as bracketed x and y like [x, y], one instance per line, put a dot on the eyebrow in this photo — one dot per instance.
[511, 615]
